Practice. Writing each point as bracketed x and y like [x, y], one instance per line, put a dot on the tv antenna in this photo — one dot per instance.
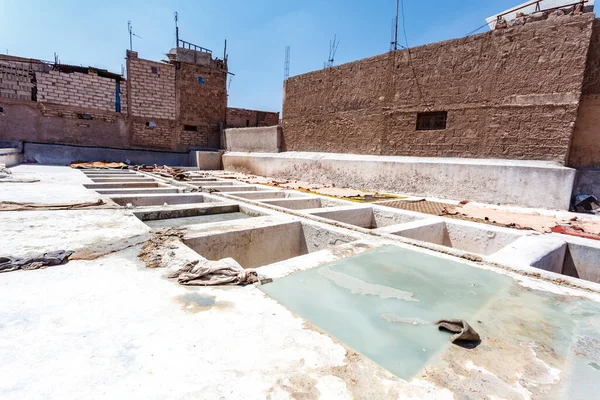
[176, 29]
[333, 46]
[286, 65]
[131, 35]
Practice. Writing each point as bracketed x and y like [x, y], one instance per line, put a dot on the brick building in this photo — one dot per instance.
[170, 106]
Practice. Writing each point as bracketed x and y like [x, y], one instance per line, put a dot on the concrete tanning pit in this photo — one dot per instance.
[138, 178]
[363, 216]
[124, 185]
[474, 238]
[289, 199]
[229, 188]
[155, 190]
[571, 256]
[261, 240]
[186, 217]
[116, 172]
[383, 304]
[159, 199]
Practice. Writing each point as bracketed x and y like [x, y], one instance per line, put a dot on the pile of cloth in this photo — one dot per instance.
[166, 171]
[98, 165]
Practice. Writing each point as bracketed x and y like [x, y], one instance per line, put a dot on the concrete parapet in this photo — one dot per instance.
[262, 139]
[526, 183]
[206, 160]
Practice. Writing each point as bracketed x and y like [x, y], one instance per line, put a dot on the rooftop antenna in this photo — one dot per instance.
[396, 30]
[176, 28]
[392, 34]
[333, 46]
[286, 65]
[131, 35]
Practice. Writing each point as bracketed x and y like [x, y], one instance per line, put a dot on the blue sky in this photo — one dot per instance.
[257, 31]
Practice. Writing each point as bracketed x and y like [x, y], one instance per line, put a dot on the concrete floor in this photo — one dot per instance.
[105, 326]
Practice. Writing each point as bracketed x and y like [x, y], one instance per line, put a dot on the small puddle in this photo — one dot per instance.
[195, 302]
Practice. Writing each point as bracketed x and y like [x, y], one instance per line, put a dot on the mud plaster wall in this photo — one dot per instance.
[241, 118]
[510, 93]
[585, 147]
[48, 123]
[202, 103]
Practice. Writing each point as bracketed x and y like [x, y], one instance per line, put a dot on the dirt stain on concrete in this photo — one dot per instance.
[195, 302]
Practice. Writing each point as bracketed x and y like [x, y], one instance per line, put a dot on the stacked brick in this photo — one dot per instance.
[16, 80]
[77, 89]
[151, 103]
[511, 93]
[152, 94]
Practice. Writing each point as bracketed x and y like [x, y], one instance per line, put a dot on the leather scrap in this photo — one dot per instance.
[8, 264]
[461, 329]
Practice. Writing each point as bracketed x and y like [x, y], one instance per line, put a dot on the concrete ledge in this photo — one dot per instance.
[206, 160]
[55, 154]
[264, 139]
[10, 156]
[526, 183]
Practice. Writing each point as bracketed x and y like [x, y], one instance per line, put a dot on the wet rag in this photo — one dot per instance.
[211, 273]
[8, 264]
[461, 329]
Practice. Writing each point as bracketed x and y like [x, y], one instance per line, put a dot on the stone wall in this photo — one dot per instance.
[242, 118]
[76, 89]
[510, 93]
[202, 101]
[585, 147]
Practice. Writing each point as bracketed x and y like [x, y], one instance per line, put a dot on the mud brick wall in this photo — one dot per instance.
[510, 93]
[202, 102]
[241, 118]
[160, 137]
[76, 89]
[152, 95]
[58, 124]
[585, 147]
[151, 99]
[16, 79]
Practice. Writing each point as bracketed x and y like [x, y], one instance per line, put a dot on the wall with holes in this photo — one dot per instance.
[511, 93]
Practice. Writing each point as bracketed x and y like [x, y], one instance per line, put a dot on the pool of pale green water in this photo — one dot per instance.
[381, 304]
